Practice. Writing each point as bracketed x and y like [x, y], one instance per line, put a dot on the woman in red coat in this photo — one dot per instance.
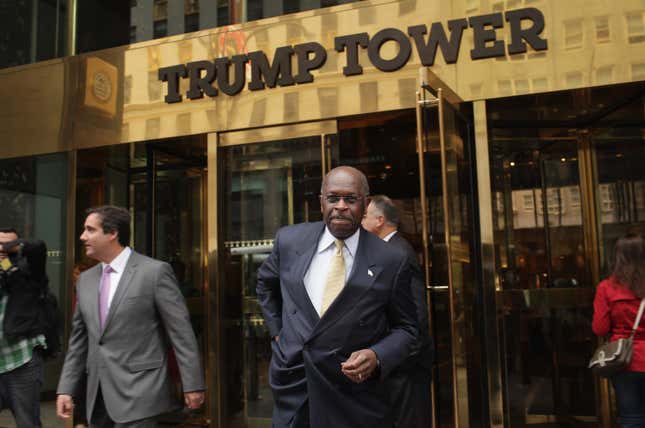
[615, 308]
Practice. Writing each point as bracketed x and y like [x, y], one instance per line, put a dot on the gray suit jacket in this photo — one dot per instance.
[129, 357]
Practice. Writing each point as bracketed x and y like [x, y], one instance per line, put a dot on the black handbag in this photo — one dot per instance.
[613, 357]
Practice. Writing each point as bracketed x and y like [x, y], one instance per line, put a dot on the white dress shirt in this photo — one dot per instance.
[118, 266]
[389, 236]
[316, 275]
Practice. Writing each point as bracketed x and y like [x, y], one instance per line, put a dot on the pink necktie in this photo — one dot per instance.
[104, 294]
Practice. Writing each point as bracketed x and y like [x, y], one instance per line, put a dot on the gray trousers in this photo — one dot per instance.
[101, 418]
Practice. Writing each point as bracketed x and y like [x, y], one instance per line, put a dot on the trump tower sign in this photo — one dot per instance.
[213, 77]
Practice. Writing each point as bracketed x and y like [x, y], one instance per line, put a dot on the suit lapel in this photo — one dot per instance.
[300, 266]
[122, 288]
[93, 283]
[362, 278]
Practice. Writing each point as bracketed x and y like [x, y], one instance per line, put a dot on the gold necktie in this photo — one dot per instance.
[335, 277]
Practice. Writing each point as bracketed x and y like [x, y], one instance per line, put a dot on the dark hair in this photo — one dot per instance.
[386, 207]
[114, 219]
[629, 263]
[9, 230]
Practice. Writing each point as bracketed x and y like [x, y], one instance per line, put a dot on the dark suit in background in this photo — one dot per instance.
[374, 310]
[411, 382]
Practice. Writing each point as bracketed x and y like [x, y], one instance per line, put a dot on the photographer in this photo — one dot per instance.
[22, 283]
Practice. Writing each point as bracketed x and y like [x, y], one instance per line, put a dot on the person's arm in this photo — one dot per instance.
[268, 290]
[174, 314]
[34, 251]
[418, 290]
[394, 348]
[74, 366]
[601, 324]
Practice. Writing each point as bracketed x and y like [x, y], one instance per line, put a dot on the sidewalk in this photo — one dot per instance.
[47, 415]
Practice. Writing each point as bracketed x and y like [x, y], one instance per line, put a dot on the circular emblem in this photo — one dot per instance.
[101, 86]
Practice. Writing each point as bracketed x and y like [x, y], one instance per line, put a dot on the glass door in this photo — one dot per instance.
[166, 194]
[268, 179]
[546, 288]
[447, 194]
[567, 181]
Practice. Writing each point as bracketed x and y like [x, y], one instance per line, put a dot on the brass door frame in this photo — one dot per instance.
[431, 84]
[439, 92]
[587, 166]
[489, 285]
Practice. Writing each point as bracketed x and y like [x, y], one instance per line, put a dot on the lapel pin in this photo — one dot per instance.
[369, 272]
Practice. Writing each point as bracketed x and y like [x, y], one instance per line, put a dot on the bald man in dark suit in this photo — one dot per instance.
[337, 302]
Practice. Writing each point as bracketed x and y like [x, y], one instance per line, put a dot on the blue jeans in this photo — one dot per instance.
[630, 394]
[20, 391]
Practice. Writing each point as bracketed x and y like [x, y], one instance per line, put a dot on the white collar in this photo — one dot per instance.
[389, 236]
[119, 262]
[328, 239]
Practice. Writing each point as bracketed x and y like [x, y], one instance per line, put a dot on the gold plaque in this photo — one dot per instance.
[101, 85]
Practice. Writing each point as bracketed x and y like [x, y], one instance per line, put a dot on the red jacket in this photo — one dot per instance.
[615, 310]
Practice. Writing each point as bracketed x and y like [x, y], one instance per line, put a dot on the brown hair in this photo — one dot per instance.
[629, 263]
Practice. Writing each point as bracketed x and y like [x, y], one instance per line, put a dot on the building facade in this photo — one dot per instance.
[510, 134]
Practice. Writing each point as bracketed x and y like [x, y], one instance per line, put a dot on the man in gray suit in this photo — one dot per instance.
[127, 307]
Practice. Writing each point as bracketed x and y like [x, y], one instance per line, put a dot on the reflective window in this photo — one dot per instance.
[635, 27]
[573, 34]
[104, 24]
[32, 31]
[602, 29]
[544, 243]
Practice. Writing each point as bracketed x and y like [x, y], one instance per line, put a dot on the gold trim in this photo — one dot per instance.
[70, 243]
[213, 324]
[591, 224]
[203, 205]
[431, 82]
[70, 240]
[71, 27]
[493, 361]
[424, 231]
[448, 236]
[323, 156]
[273, 133]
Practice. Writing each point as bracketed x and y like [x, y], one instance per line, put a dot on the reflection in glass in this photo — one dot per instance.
[544, 279]
[32, 31]
[620, 190]
[263, 187]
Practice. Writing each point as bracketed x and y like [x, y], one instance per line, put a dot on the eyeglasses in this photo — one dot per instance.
[349, 199]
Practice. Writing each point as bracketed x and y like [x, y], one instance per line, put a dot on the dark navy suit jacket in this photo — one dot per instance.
[374, 310]
[423, 357]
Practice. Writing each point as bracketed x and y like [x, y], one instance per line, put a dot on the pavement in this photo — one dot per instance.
[47, 416]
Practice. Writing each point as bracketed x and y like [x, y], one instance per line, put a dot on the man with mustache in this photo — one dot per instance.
[337, 302]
